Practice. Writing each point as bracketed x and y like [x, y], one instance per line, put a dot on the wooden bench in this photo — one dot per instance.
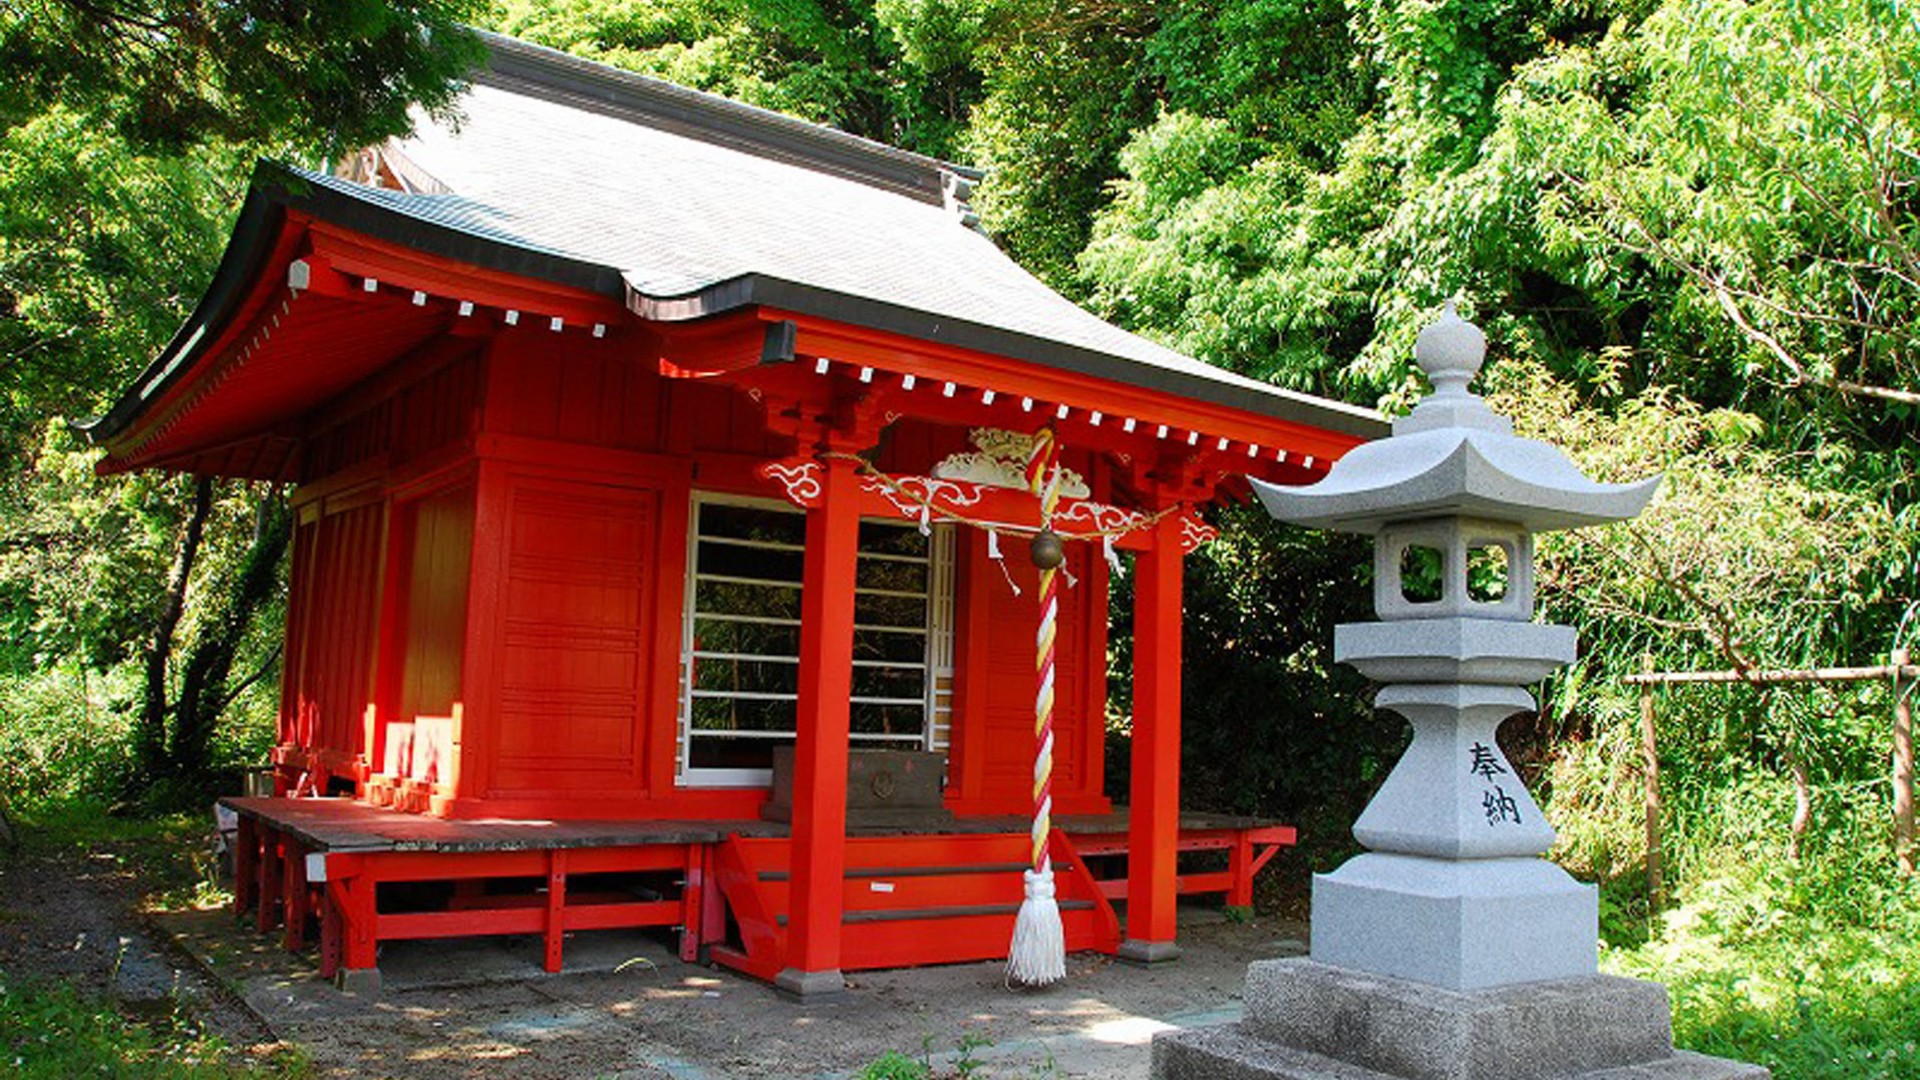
[1248, 850]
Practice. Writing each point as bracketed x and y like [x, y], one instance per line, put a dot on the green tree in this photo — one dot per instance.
[126, 137]
[175, 73]
[894, 71]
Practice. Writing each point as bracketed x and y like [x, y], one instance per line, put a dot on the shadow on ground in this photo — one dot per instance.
[626, 1007]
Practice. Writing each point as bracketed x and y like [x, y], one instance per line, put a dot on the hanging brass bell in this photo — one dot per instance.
[1047, 551]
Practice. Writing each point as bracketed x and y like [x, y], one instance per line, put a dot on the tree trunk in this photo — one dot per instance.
[1902, 767]
[1802, 794]
[151, 744]
[204, 692]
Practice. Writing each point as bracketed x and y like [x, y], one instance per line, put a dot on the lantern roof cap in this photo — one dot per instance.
[1453, 456]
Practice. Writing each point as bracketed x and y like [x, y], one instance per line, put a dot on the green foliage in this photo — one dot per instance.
[61, 740]
[895, 71]
[959, 1065]
[83, 567]
[103, 249]
[894, 1065]
[1808, 968]
[52, 1033]
[1795, 571]
[1287, 73]
[171, 74]
[1064, 85]
[1753, 156]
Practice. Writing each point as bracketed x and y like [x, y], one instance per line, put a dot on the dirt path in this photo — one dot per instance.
[75, 918]
[627, 1008]
[624, 1008]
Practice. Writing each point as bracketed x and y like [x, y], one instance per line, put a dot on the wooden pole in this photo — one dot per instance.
[1650, 755]
[1902, 765]
[1153, 828]
[823, 714]
[1795, 675]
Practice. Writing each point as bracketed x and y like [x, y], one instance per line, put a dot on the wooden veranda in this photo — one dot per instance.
[325, 868]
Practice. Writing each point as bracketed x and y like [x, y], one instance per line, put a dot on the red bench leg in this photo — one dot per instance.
[713, 906]
[556, 906]
[330, 930]
[246, 866]
[1240, 865]
[268, 878]
[294, 893]
[359, 926]
[692, 887]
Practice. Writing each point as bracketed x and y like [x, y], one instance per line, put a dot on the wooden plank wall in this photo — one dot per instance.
[332, 618]
[577, 691]
[576, 643]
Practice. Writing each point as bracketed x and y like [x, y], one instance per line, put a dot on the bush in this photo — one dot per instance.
[1779, 964]
[62, 739]
[1806, 961]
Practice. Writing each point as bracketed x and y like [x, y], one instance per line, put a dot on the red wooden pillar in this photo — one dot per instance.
[1153, 829]
[246, 866]
[267, 879]
[556, 929]
[820, 751]
[480, 674]
[351, 891]
[293, 889]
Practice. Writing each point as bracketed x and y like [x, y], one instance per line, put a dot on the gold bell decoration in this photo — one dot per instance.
[1046, 550]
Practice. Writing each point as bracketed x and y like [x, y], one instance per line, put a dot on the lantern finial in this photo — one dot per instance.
[1450, 350]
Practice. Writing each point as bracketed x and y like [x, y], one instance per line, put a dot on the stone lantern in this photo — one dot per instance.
[1451, 949]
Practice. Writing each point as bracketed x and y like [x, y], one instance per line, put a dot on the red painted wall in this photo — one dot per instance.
[332, 618]
[437, 532]
[993, 728]
[542, 592]
[591, 392]
[575, 639]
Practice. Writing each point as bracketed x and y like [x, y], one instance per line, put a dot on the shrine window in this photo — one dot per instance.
[740, 652]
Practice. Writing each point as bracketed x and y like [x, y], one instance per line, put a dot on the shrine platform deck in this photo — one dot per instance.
[342, 824]
[366, 874]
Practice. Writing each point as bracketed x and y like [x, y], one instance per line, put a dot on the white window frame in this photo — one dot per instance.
[936, 633]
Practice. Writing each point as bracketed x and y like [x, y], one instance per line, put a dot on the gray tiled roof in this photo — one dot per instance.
[686, 196]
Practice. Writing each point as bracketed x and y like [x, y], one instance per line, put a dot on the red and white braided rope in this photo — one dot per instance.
[1043, 718]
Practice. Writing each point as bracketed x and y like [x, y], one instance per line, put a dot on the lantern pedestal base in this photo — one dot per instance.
[1460, 924]
[1310, 1021]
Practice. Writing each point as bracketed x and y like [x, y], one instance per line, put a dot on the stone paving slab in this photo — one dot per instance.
[627, 1007]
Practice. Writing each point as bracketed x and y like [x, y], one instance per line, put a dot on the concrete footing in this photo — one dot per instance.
[1311, 1021]
[811, 986]
[1148, 953]
[358, 980]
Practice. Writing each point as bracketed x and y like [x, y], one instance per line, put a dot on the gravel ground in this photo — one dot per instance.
[625, 1007]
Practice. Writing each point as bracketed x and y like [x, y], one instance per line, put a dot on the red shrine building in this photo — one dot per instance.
[661, 544]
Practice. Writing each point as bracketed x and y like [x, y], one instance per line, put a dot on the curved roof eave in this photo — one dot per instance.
[277, 188]
[760, 290]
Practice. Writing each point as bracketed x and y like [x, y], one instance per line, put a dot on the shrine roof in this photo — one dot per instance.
[681, 205]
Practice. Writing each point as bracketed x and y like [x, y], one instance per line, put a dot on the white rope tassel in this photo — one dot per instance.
[1106, 548]
[1039, 952]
